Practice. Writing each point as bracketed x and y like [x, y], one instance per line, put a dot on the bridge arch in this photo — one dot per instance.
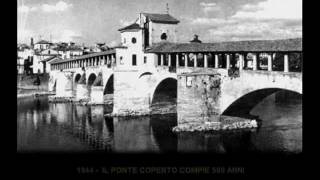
[166, 86]
[109, 87]
[92, 77]
[242, 106]
[145, 74]
[77, 77]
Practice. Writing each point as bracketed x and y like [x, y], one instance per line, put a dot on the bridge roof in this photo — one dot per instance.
[111, 51]
[284, 45]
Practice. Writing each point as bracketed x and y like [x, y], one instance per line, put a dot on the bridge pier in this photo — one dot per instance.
[82, 92]
[96, 95]
[64, 84]
[128, 99]
[199, 96]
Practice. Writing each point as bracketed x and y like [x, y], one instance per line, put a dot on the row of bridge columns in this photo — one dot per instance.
[109, 60]
[216, 65]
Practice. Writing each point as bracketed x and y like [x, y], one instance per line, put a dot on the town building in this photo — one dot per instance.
[35, 58]
[24, 58]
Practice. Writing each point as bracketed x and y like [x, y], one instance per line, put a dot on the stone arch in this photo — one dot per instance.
[77, 77]
[242, 106]
[145, 74]
[166, 85]
[92, 77]
[109, 87]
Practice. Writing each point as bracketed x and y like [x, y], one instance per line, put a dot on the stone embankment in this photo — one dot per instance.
[225, 123]
[36, 94]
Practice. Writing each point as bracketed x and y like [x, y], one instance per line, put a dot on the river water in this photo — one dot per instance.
[65, 127]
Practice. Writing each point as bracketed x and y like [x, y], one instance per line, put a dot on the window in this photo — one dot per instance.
[133, 40]
[189, 81]
[124, 40]
[163, 36]
[134, 60]
[121, 60]
[145, 59]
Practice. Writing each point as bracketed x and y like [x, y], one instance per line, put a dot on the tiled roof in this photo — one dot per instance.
[112, 51]
[235, 46]
[131, 27]
[162, 18]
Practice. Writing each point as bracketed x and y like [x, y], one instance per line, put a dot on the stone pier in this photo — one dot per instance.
[96, 95]
[199, 97]
[64, 86]
[128, 99]
[82, 92]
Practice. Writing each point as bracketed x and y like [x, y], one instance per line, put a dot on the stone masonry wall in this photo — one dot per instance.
[198, 97]
[128, 99]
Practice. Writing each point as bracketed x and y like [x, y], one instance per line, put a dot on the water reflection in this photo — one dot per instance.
[67, 127]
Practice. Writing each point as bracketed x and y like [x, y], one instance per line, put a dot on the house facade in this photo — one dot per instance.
[24, 58]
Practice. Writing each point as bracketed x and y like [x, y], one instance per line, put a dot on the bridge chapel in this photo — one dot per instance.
[146, 31]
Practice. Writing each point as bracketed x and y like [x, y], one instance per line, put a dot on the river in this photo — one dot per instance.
[65, 127]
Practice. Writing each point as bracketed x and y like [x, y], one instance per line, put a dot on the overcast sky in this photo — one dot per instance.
[91, 21]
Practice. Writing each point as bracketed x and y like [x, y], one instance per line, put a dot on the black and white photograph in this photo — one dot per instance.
[117, 77]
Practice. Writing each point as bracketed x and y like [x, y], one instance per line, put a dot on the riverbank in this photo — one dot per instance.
[27, 88]
[21, 93]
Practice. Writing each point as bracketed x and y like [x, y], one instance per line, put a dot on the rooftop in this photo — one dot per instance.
[161, 18]
[68, 48]
[131, 27]
[56, 61]
[232, 46]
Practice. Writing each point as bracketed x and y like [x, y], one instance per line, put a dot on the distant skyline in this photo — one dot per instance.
[98, 21]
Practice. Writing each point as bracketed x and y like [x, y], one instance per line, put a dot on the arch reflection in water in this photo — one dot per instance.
[133, 135]
[68, 127]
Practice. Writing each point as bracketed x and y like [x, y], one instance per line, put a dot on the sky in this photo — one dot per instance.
[97, 21]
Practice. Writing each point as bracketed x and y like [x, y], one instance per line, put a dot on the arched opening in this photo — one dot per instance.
[244, 105]
[145, 74]
[164, 97]
[279, 116]
[109, 86]
[77, 78]
[91, 79]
